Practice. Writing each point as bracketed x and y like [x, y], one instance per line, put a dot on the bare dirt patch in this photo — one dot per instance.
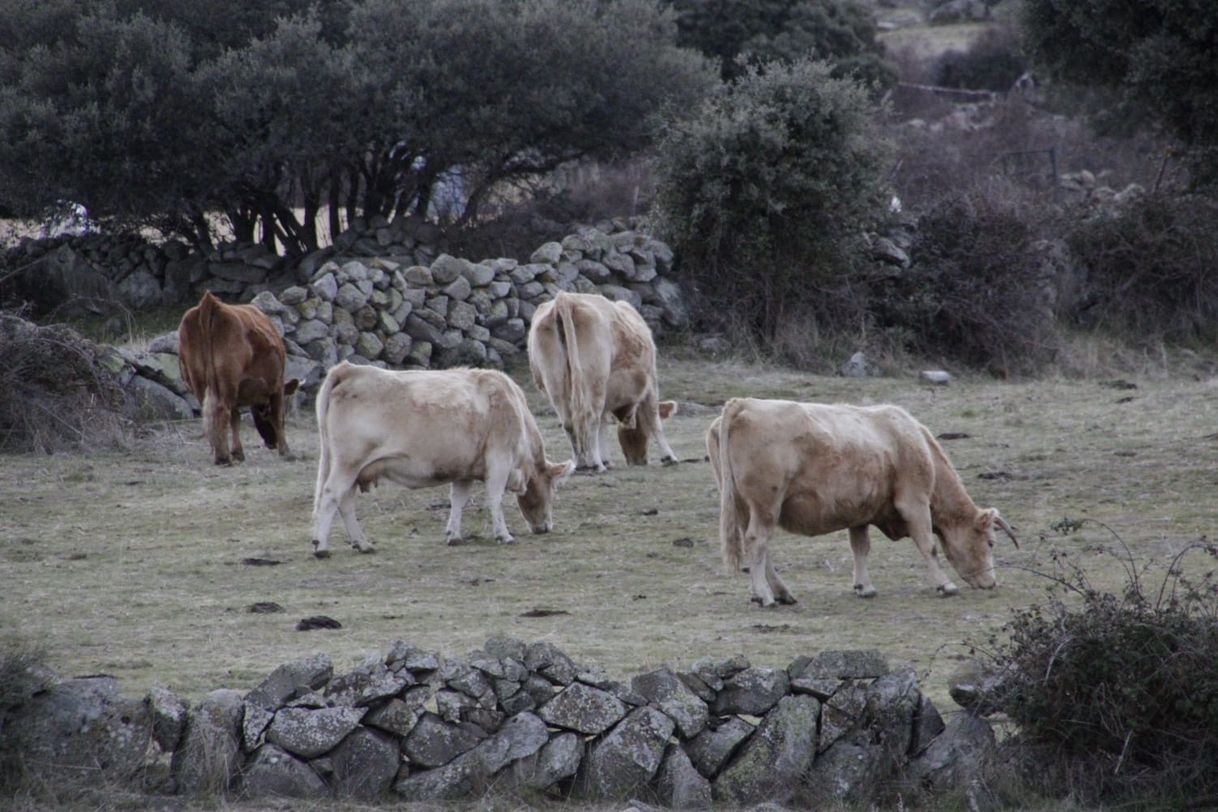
[141, 564]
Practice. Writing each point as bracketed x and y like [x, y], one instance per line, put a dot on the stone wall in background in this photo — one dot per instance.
[520, 720]
[392, 310]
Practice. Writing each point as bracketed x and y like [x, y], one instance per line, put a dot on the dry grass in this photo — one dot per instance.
[132, 563]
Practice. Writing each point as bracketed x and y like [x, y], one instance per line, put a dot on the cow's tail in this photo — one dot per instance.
[577, 385]
[730, 536]
[215, 423]
[336, 376]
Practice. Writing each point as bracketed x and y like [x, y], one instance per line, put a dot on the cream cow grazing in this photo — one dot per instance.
[595, 358]
[815, 468]
[422, 428]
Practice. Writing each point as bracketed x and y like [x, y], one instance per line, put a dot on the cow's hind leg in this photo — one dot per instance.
[458, 498]
[355, 533]
[860, 545]
[215, 426]
[917, 517]
[757, 553]
[336, 488]
[781, 593]
[234, 423]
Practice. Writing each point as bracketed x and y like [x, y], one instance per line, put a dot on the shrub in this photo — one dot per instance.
[1150, 268]
[764, 192]
[23, 673]
[991, 62]
[976, 293]
[55, 391]
[1117, 694]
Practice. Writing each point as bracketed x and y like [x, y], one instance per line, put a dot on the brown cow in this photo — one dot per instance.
[422, 428]
[232, 357]
[814, 468]
[594, 359]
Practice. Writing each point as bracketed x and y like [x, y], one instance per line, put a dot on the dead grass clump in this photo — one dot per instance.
[55, 391]
[23, 673]
[1115, 695]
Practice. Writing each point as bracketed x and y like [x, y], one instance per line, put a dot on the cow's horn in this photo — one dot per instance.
[1006, 528]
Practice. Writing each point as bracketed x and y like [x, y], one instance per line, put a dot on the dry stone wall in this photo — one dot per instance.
[519, 719]
[392, 310]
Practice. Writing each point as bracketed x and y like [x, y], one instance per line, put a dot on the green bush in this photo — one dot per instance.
[1116, 696]
[976, 293]
[765, 192]
[1150, 269]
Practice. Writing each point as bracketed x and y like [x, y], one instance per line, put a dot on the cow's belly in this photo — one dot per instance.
[813, 514]
[413, 472]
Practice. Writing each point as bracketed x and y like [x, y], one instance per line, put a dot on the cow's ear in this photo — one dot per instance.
[559, 471]
[985, 519]
[667, 409]
[290, 386]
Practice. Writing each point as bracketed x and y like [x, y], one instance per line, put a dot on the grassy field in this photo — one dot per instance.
[141, 564]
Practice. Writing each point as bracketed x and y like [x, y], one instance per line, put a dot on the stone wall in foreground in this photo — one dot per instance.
[522, 720]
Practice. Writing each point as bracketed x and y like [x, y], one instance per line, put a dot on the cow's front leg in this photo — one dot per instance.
[496, 484]
[234, 424]
[602, 444]
[458, 498]
[355, 533]
[918, 520]
[860, 545]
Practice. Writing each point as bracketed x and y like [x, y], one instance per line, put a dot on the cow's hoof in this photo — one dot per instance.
[224, 462]
[505, 540]
[787, 600]
[238, 456]
[321, 553]
[454, 541]
[667, 461]
[369, 550]
[864, 591]
[947, 590]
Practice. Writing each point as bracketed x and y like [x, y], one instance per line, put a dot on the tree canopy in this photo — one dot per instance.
[750, 32]
[1157, 58]
[765, 192]
[157, 112]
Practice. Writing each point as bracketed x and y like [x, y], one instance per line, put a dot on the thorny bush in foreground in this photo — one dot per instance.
[1117, 695]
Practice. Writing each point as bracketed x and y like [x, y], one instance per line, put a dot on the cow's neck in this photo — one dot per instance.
[949, 502]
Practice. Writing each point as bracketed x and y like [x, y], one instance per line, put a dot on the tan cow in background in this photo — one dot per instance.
[595, 358]
[231, 357]
[814, 468]
[422, 428]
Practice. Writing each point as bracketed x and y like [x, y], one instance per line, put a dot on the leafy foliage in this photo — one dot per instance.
[157, 112]
[1119, 692]
[752, 32]
[1150, 268]
[764, 192]
[975, 293]
[1157, 58]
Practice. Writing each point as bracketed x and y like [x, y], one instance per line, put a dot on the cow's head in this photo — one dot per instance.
[537, 500]
[265, 419]
[633, 438]
[969, 546]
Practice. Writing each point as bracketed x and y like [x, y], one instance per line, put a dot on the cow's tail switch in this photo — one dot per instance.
[729, 524]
